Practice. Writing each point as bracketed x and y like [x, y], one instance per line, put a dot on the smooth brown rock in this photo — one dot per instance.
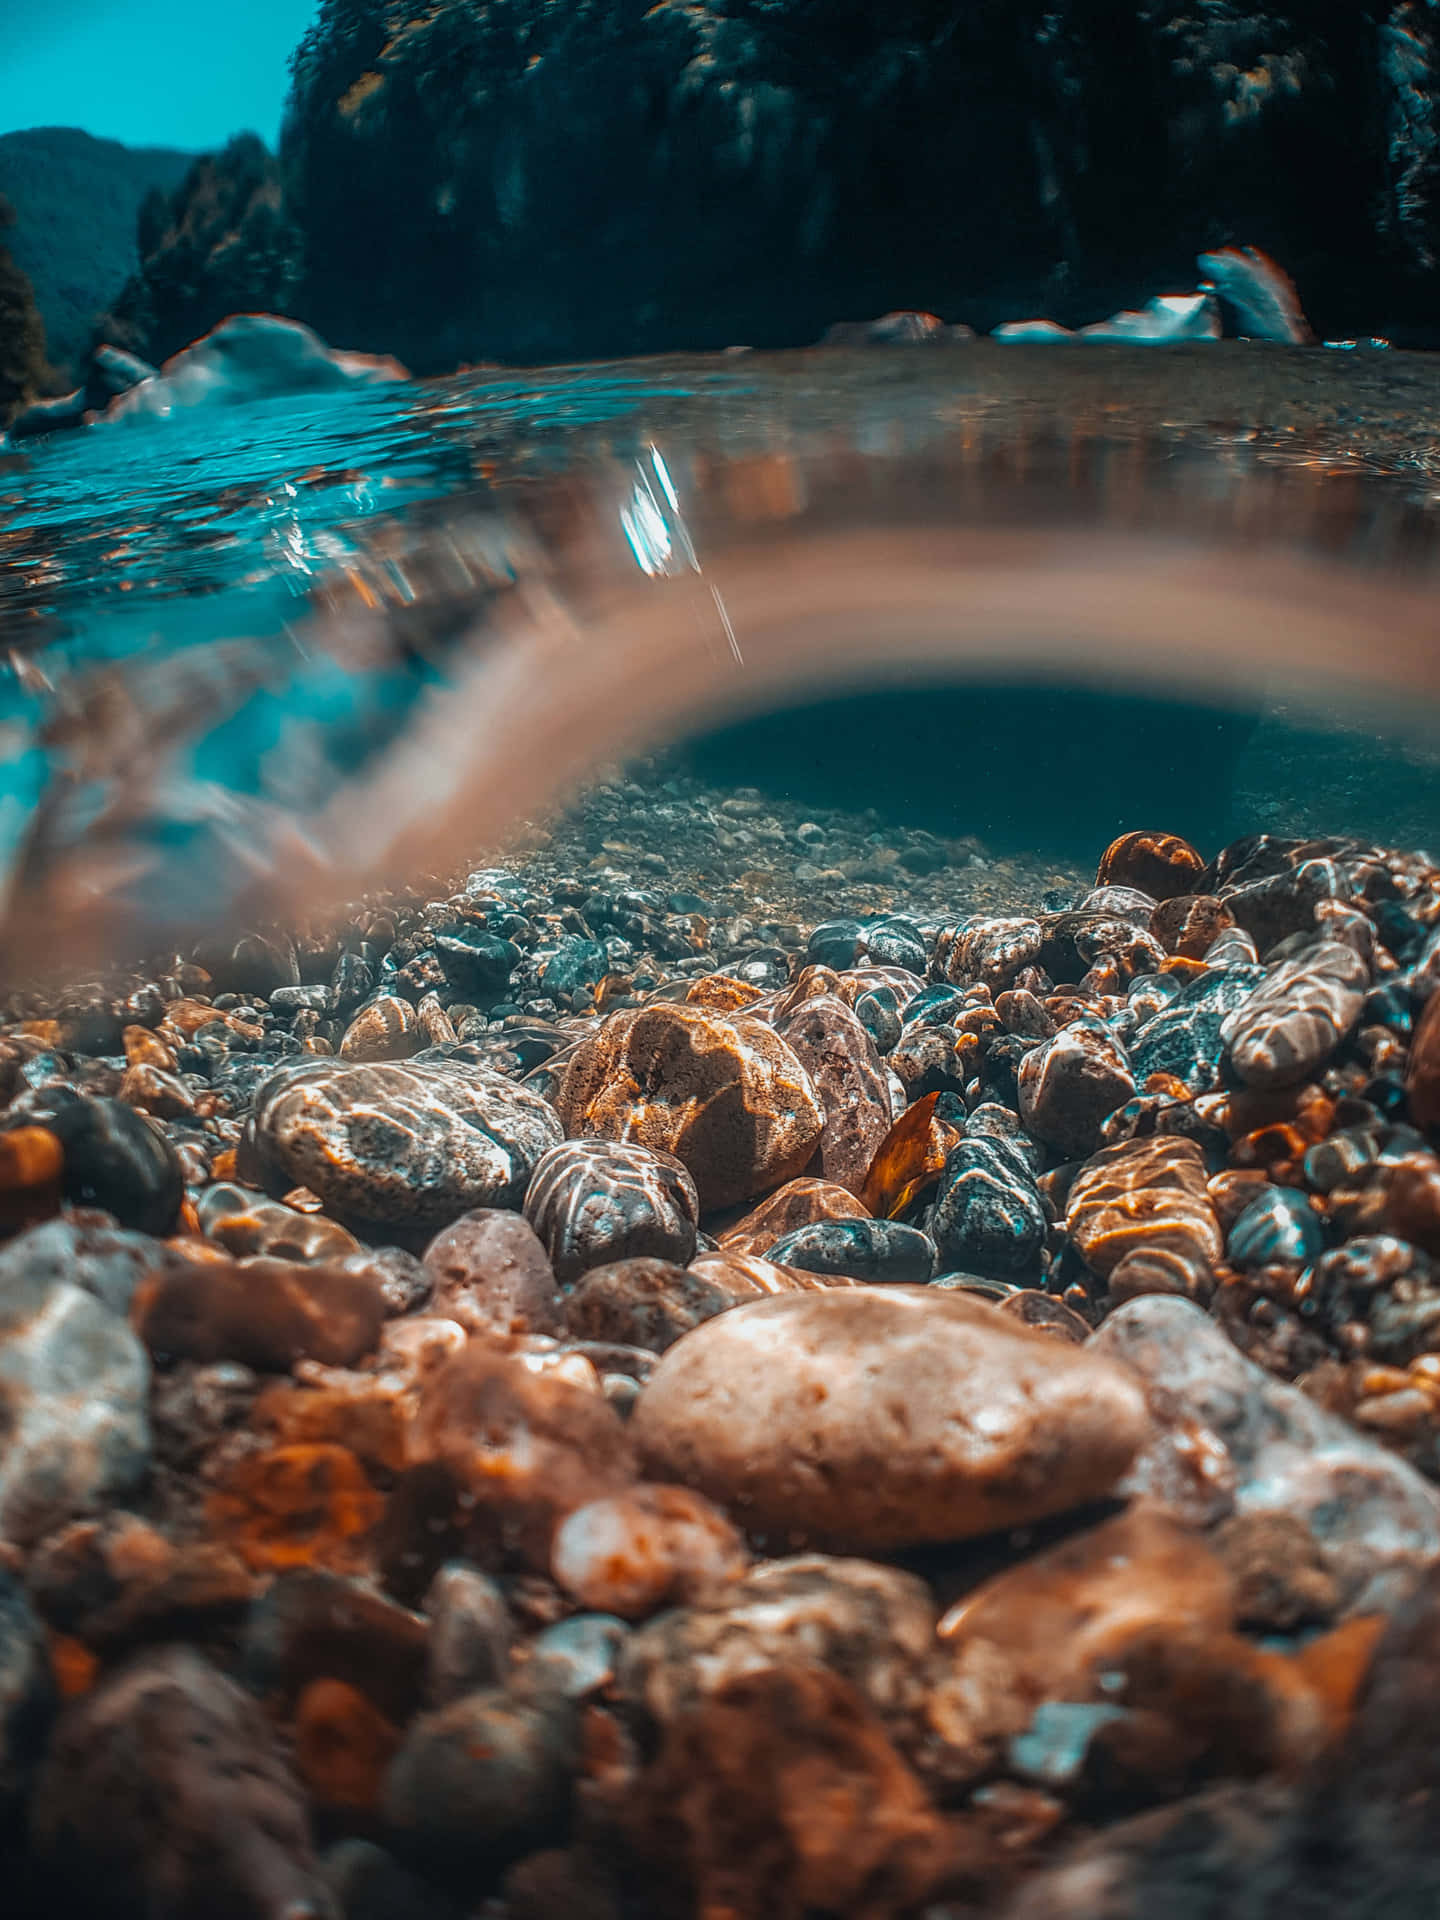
[846, 1072]
[644, 1549]
[265, 1313]
[725, 1094]
[526, 1447]
[1422, 1081]
[1188, 924]
[244, 1221]
[1070, 1085]
[647, 1303]
[874, 1418]
[493, 1276]
[799, 1203]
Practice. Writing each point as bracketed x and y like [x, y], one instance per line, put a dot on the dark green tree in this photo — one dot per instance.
[222, 243]
[23, 370]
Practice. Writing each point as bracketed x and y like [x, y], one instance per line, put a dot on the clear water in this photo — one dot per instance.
[268, 651]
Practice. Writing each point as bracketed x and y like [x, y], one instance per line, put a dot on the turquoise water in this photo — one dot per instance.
[221, 624]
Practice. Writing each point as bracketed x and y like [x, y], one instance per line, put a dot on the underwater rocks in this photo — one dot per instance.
[725, 1095]
[593, 1202]
[407, 1148]
[900, 1416]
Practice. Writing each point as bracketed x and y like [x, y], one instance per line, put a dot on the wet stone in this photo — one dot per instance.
[386, 1029]
[897, 1415]
[528, 1447]
[114, 1158]
[478, 965]
[1230, 1436]
[405, 1147]
[306, 1625]
[492, 1275]
[1190, 923]
[1422, 1080]
[245, 1222]
[471, 1634]
[647, 1548]
[877, 1250]
[988, 1216]
[482, 1781]
[594, 1202]
[644, 1303]
[1183, 1038]
[168, 1776]
[991, 952]
[1278, 1228]
[799, 1203]
[87, 1251]
[724, 1094]
[1146, 1197]
[1071, 1084]
[74, 1387]
[267, 1314]
[845, 1071]
[1293, 1022]
[1160, 864]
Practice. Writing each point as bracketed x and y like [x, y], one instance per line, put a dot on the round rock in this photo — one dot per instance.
[877, 1418]
[988, 1214]
[882, 1250]
[725, 1095]
[408, 1147]
[492, 1275]
[1071, 1084]
[592, 1202]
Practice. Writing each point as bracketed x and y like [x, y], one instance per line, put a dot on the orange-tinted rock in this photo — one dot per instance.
[526, 1447]
[1187, 924]
[1422, 1082]
[720, 993]
[245, 1222]
[1280, 1579]
[646, 1548]
[871, 1418]
[748, 1276]
[32, 1165]
[367, 1415]
[343, 1746]
[1160, 864]
[266, 1313]
[724, 1094]
[910, 1158]
[799, 1203]
[989, 953]
[781, 1795]
[1050, 1627]
[152, 1090]
[1146, 1197]
[1071, 1084]
[386, 1029]
[594, 1202]
[142, 1049]
[297, 1506]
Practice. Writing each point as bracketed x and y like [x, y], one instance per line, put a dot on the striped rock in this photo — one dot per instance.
[386, 1029]
[991, 952]
[1147, 1198]
[592, 1202]
[723, 1093]
[1287, 1029]
[408, 1147]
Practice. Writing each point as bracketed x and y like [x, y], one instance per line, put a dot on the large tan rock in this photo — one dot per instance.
[865, 1418]
[725, 1094]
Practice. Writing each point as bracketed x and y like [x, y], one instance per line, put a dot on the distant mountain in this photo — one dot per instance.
[76, 201]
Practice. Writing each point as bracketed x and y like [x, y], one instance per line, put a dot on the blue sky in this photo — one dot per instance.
[153, 73]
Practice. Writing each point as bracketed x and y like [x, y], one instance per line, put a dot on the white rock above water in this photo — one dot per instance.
[251, 356]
